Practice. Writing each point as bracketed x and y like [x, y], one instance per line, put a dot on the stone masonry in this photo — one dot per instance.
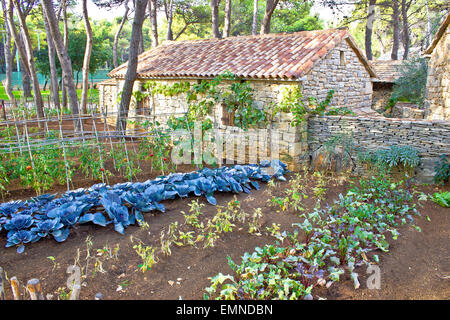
[342, 71]
[438, 80]
[430, 138]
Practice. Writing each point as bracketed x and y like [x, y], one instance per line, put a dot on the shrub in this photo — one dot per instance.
[412, 83]
[403, 157]
[442, 199]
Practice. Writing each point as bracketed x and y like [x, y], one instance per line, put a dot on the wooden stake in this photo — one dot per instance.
[98, 147]
[34, 289]
[15, 288]
[126, 151]
[109, 135]
[4, 110]
[2, 284]
[17, 133]
[64, 150]
[29, 150]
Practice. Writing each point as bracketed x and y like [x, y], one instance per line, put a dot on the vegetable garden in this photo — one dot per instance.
[255, 232]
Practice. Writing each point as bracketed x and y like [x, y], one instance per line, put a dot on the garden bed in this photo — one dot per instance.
[185, 272]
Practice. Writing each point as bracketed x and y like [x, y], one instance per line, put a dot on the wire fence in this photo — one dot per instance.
[20, 132]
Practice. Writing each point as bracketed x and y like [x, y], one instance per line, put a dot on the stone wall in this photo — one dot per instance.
[438, 81]
[382, 92]
[348, 78]
[107, 95]
[244, 144]
[430, 138]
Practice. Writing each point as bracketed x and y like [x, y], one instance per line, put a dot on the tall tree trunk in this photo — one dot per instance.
[63, 57]
[9, 59]
[117, 35]
[130, 77]
[168, 8]
[87, 58]
[66, 45]
[396, 29]
[255, 18]
[39, 104]
[152, 11]
[405, 30]
[141, 42]
[52, 63]
[215, 18]
[270, 8]
[227, 23]
[381, 42]
[369, 28]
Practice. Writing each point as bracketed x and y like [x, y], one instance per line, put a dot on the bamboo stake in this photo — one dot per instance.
[98, 147]
[109, 135]
[135, 152]
[46, 124]
[15, 288]
[126, 151]
[34, 289]
[17, 133]
[29, 149]
[82, 128]
[64, 150]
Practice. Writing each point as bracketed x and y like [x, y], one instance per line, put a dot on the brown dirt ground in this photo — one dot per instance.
[415, 268]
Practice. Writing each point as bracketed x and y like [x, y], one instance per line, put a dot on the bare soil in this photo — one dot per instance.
[416, 267]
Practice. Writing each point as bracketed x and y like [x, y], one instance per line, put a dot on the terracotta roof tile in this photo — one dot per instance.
[273, 56]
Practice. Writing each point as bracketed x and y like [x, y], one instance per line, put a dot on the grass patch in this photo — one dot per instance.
[92, 94]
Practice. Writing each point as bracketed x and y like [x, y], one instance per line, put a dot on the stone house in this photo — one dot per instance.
[437, 99]
[388, 71]
[317, 61]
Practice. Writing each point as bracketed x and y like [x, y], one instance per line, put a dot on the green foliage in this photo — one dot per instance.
[442, 198]
[403, 157]
[4, 179]
[294, 102]
[147, 254]
[412, 83]
[240, 101]
[295, 16]
[155, 146]
[202, 97]
[336, 240]
[442, 170]
[91, 158]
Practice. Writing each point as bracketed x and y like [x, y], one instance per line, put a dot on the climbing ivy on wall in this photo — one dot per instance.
[237, 98]
[294, 102]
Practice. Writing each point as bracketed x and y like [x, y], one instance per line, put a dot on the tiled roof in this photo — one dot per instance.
[273, 56]
[387, 70]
